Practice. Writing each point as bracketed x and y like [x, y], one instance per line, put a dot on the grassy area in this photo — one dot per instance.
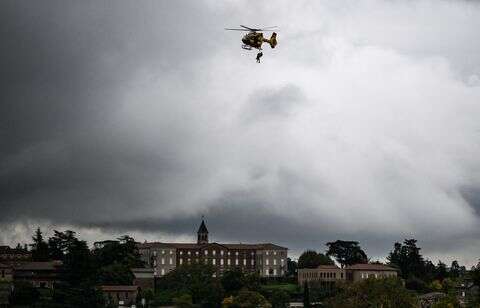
[288, 287]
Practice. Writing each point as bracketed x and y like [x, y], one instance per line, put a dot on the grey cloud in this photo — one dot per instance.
[268, 102]
[142, 116]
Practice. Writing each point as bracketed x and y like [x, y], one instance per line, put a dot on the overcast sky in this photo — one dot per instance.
[138, 117]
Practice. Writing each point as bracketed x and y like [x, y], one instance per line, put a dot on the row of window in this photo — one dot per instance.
[321, 275]
[272, 272]
[214, 252]
[267, 262]
[367, 275]
[162, 261]
[222, 262]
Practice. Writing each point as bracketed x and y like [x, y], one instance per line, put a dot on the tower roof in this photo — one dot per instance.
[203, 228]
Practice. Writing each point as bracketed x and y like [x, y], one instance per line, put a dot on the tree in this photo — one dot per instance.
[183, 301]
[306, 295]
[24, 293]
[279, 298]
[373, 292]
[475, 274]
[346, 252]
[115, 274]
[312, 259]
[197, 280]
[115, 259]
[441, 271]
[454, 269]
[292, 267]
[408, 259]
[248, 299]
[233, 281]
[39, 247]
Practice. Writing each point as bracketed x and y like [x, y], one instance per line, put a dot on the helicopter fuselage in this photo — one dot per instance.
[253, 39]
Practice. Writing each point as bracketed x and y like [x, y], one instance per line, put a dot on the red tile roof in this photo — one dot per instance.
[36, 266]
[197, 246]
[371, 267]
[119, 288]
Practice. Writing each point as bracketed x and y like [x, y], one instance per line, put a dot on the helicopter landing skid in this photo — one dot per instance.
[246, 47]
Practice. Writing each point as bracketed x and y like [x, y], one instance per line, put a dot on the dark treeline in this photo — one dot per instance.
[82, 270]
[197, 285]
[419, 275]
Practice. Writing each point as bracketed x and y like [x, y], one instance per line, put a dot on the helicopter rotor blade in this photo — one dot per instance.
[266, 28]
[231, 29]
[259, 29]
[251, 29]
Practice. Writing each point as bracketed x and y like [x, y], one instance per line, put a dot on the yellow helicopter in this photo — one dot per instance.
[254, 38]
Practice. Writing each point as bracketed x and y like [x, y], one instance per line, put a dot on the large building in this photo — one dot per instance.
[269, 260]
[329, 274]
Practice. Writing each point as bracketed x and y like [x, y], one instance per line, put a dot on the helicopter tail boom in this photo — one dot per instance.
[272, 41]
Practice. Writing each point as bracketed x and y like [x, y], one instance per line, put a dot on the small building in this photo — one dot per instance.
[144, 278]
[329, 274]
[40, 274]
[359, 271]
[120, 295]
[11, 256]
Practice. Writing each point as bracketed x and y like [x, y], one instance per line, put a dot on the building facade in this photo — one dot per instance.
[354, 273]
[12, 256]
[269, 260]
[123, 296]
[41, 274]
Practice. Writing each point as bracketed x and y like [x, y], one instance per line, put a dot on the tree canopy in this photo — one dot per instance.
[373, 292]
[312, 259]
[346, 252]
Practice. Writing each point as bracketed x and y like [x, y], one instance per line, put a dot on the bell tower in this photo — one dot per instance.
[202, 234]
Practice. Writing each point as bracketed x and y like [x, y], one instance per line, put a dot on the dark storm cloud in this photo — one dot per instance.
[62, 67]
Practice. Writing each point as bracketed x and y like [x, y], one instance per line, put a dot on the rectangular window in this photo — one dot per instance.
[154, 252]
[214, 252]
[228, 261]
[274, 272]
[274, 261]
[181, 261]
[236, 253]
[266, 262]
[206, 252]
[163, 252]
[221, 261]
[171, 261]
[189, 252]
[282, 261]
[266, 252]
[252, 262]
[236, 261]
[266, 272]
[181, 252]
[171, 252]
[221, 252]
[213, 261]
[163, 260]
[244, 261]
[196, 252]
